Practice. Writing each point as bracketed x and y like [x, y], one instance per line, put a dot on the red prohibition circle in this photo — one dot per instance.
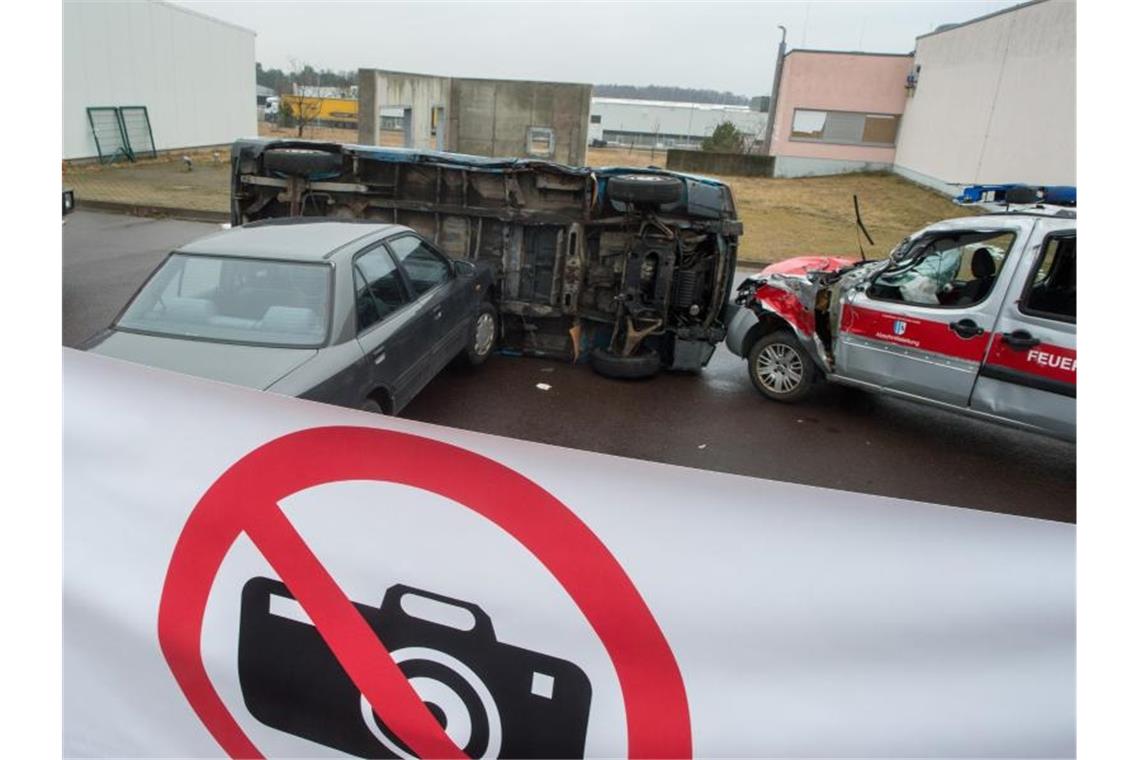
[245, 500]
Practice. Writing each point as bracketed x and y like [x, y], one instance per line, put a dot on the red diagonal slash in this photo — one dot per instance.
[245, 499]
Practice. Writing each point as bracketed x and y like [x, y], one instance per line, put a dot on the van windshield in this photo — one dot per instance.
[234, 300]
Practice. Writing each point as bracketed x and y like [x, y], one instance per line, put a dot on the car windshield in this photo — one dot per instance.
[234, 300]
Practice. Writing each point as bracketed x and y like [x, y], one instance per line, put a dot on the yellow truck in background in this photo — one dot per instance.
[324, 112]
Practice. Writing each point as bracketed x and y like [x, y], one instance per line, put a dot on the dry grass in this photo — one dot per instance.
[815, 215]
[782, 217]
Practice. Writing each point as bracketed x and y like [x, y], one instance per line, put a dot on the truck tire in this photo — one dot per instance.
[645, 188]
[302, 163]
[780, 367]
[641, 365]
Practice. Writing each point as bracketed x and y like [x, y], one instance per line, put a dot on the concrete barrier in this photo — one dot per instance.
[730, 164]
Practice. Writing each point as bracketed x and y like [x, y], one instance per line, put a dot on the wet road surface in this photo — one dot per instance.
[712, 420]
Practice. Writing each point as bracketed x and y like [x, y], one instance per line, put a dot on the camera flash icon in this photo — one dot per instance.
[542, 685]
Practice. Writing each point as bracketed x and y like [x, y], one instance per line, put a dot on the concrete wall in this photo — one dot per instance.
[729, 164]
[827, 81]
[487, 117]
[396, 90]
[995, 101]
[194, 74]
[796, 166]
[491, 117]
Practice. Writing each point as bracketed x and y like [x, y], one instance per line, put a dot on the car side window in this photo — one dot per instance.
[1051, 290]
[379, 290]
[953, 270]
[423, 266]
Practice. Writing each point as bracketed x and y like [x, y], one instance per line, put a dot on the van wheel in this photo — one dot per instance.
[371, 405]
[302, 163]
[483, 333]
[780, 367]
[608, 364]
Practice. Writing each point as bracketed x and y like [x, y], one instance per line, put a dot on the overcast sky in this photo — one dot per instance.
[719, 46]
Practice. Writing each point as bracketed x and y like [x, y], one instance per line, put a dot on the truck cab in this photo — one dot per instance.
[975, 314]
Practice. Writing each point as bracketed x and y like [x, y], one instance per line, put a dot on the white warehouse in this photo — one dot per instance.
[994, 100]
[193, 74]
[664, 124]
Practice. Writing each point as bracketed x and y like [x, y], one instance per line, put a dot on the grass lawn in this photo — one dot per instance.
[782, 217]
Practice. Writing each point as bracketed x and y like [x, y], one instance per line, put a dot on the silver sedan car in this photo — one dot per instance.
[351, 313]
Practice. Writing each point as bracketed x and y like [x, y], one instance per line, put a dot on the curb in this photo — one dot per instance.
[136, 209]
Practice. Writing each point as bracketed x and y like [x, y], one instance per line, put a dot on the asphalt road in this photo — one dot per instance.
[712, 420]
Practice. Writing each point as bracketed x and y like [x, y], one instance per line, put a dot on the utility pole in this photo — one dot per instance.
[772, 99]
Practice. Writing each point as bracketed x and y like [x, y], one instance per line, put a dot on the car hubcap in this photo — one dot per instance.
[779, 368]
[484, 333]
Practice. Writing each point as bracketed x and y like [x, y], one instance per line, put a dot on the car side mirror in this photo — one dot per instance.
[462, 268]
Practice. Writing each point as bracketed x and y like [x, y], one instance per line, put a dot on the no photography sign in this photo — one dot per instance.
[248, 575]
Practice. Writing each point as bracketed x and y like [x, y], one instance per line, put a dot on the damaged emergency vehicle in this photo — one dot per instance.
[975, 314]
[632, 268]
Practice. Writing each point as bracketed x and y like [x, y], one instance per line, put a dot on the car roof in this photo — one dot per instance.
[296, 239]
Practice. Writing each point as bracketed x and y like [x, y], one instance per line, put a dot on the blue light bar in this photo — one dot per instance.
[1057, 195]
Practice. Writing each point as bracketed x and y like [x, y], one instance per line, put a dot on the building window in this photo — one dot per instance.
[845, 127]
[595, 118]
[540, 141]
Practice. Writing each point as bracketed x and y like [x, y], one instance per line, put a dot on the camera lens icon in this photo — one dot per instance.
[454, 694]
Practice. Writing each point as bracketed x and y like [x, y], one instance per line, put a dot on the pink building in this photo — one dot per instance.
[838, 112]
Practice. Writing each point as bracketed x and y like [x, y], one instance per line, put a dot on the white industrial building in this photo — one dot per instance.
[664, 124]
[194, 75]
[993, 100]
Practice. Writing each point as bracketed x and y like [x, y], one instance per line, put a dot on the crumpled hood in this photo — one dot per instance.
[804, 264]
[251, 366]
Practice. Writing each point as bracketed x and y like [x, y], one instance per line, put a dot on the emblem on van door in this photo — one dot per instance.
[899, 327]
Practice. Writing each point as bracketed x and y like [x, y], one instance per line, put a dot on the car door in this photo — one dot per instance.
[432, 281]
[920, 328]
[388, 326]
[1030, 372]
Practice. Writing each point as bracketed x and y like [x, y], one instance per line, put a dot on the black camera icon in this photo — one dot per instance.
[492, 699]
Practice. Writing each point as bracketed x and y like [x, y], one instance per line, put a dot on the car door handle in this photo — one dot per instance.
[438, 314]
[1019, 340]
[966, 328]
[379, 357]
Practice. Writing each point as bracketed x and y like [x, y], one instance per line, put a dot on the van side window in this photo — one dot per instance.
[951, 270]
[1052, 288]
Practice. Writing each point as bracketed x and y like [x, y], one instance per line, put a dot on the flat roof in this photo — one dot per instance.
[850, 52]
[670, 104]
[295, 239]
[199, 14]
[953, 27]
[473, 79]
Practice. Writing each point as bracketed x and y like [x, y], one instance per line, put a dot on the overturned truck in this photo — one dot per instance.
[631, 268]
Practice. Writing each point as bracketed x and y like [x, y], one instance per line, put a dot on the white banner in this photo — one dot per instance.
[248, 574]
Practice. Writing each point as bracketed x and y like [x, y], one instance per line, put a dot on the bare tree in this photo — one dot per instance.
[305, 104]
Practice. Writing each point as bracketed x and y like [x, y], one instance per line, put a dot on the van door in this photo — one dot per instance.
[1030, 372]
[920, 327]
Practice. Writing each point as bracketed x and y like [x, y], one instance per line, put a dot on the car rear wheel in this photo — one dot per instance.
[780, 367]
[483, 334]
[647, 363]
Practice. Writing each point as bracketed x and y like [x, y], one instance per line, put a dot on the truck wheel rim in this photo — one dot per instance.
[779, 368]
[484, 333]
